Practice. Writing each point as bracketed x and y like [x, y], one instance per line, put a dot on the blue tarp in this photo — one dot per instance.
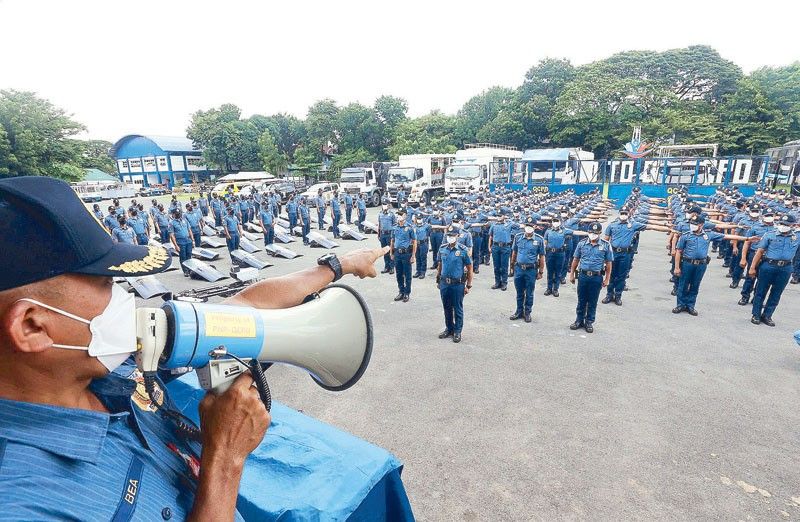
[545, 155]
[307, 470]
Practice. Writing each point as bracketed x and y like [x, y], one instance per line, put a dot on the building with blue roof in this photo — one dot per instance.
[158, 160]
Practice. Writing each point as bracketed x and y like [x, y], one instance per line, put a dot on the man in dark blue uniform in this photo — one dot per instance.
[348, 207]
[454, 277]
[403, 251]
[305, 218]
[266, 219]
[500, 239]
[438, 223]
[362, 211]
[336, 213]
[773, 261]
[181, 235]
[386, 222]
[232, 227]
[527, 265]
[557, 239]
[422, 229]
[592, 261]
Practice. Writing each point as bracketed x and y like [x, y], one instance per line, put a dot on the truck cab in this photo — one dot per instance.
[362, 180]
[420, 176]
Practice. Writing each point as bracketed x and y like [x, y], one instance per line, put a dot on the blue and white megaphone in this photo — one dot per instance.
[329, 336]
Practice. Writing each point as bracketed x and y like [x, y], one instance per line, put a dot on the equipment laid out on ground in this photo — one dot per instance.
[201, 270]
[212, 242]
[204, 254]
[147, 287]
[251, 236]
[369, 227]
[282, 222]
[252, 227]
[351, 233]
[320, 241]
[248, 246]
[279, 251]
[210, 231]
[282, 235]
[243, 258]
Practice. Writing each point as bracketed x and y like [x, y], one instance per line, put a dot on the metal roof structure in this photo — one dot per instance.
[165, 143]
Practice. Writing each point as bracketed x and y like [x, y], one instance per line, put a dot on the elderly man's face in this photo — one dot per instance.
[29, 331]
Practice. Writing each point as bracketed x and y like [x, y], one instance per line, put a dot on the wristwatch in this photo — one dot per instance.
[331, 261]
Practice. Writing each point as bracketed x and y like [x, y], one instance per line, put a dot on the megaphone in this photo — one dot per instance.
[329, 336]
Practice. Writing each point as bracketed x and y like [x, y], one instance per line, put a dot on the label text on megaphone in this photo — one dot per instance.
[229, 325]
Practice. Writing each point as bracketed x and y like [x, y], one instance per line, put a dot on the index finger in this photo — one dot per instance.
[379, 252]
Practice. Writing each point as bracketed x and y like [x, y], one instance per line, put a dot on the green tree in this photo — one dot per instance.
[93, 154]
[35, 138]
[480, 110]
[321, 126]
[351, 157]
[358, 127]
[228, 143]
[287, 131]
[750, 121]
[273, 160]
[782, 86]
[429, 134]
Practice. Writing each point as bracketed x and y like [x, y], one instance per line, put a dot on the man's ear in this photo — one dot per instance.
[24, 325]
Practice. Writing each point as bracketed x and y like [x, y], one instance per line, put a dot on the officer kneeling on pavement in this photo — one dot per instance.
[454, 277]
[592, 261]
[77, 442]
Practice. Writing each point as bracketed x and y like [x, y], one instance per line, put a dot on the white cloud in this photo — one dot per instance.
[144, 67]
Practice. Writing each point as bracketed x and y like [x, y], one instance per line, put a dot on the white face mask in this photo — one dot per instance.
[385, 207]
[623, 217]
[451, 240]
[694, 228]
[754, 215]
[593, 237]
[113, 331]
[769, 220]
[529, 230]
[782, 229]
[556, 224]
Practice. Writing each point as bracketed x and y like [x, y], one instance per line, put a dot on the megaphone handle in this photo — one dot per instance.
[261, 383]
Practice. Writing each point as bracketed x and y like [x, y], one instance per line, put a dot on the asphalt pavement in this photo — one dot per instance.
[654, 416]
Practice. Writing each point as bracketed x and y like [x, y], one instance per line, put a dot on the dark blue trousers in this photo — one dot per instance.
[773, 280]
[569, 244]
[218, 219]
[620, 268]
[436, 244]
[485, 245]
[500, 259]
[233, 242]
[196, 233]
[736, 270]
[477, 243]
[292, 222]
[796, 264]
[554, 262]
[321, 218]
[269, 234]
[164, 235]
[362, 215]
[386, 240]
[453, 303]
[588, 292]
[403, 272]
[337, 217]
[348, 213]
[689, 283]
[422, 257]
[306, 231]
[184, 252]
[524, 283]
[749, 282]
[142, 239]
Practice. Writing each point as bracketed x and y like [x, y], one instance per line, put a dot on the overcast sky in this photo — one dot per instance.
[143, 67]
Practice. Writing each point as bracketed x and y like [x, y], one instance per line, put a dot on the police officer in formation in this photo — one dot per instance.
[266, 220]
[592, 263]
[123, 233]
[527, 266]
[386, 223]
[305, 218]
[336, 213]
[232, 227]
[454, 278]
[501, 233]
[180, 234]
[403, 252]
[773, 263]
[321, 206]
[361, 205]
[422, 231]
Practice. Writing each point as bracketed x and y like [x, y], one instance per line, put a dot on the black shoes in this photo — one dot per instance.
[457, 338]
[692, 312]
[794, 280]
[674, 292]
[391, 270]
[548, 292]
[399, 297]
[563, 280]
[734, 284]
[422, 275]
[517, 315]
[405, 298]
[576, 325]
[678, 309]
[495, 286]
[589, 328]
[445, 334]
[504, 288]
[555, 293]
[476, 271]
[527, 318]
[744, 301]
[607, 299]
[755, 320]
[414, 276]
[767, 320]
[385, 271]
[618, 300]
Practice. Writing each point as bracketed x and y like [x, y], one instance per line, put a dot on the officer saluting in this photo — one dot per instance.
[453, 271]
[592, 260]
[773, 260]
[527, 265]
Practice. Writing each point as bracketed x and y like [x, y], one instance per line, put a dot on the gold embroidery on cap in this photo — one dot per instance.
[154, 259]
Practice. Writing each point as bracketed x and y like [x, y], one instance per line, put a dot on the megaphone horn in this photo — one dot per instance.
[329, 336]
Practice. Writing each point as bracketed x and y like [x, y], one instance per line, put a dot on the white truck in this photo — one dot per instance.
[420, 176]
[562, 165]
[368, 179]
[476, 164]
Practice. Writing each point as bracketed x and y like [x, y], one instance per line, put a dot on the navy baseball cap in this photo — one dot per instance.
[595, 227]
[452, 231]
[787, 219]
[50, 232]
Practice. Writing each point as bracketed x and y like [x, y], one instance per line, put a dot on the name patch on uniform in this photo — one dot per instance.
[705, 236]
[130, 492]
[535, 243]
[458, 253]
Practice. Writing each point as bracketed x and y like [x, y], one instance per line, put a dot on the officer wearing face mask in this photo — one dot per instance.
[180, 234]
[403, 251]
[139, 227]
[78, 441]
[527, 265]
[123, 233]
[746, 222]
[422, 230]
[500, 240]
[556, 249]
[691, 260]
[748, 253]
[232, 228]
[361, 205]
[438, 225]
[773, 263]
[592, 262]
[305, 218]
[454, 277]
[386, 223]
